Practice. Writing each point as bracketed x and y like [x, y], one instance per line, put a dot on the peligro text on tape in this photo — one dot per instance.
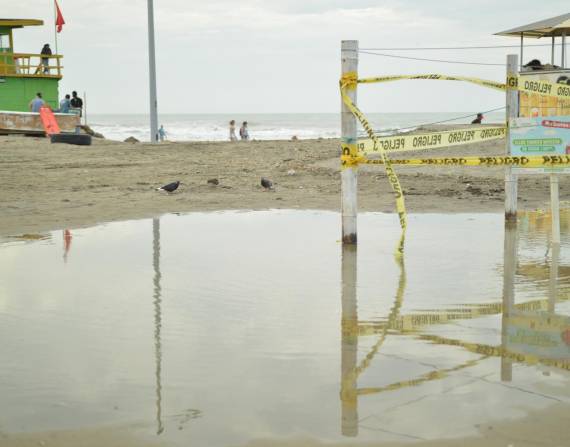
[544, 88]
[345, 83]
[527, 162]
[432, 140]
[436, 77]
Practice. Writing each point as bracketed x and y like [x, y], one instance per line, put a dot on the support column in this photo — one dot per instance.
[512, 111]
[152, 75]
[349, 174]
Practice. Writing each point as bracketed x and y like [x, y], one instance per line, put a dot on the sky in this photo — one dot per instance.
[276, 56]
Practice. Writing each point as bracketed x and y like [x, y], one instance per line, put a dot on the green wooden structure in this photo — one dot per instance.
[22, 75]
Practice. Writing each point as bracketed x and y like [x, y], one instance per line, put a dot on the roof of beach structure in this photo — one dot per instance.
[554, 26]
[20, 23]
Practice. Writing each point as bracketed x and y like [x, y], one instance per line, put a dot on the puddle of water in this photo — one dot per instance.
[224, 328]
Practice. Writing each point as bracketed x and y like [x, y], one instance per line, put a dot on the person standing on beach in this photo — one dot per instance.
[37, 103]
[162, 133]
[64, 104]
[46, 50]
[243, 132]
[478, 119]
[76, 103]
[233, 130]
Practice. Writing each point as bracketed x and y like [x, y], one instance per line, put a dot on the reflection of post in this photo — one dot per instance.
[509, 270]
[349, 343]
[157, 321]
[553, 283]
[555, 208]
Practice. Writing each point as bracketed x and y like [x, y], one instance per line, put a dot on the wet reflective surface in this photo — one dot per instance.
[227, 329]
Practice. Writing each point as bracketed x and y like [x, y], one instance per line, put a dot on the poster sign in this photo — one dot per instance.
[540, 135]
[533, 104]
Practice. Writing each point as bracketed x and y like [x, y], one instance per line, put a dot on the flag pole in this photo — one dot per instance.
[55, 24]
[152, 75]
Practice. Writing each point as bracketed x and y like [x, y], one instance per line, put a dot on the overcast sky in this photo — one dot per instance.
[223, 56]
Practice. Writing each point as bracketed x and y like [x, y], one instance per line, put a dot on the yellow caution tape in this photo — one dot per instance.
[437, 77]
[544, 88]
[392, 177]
[523, 84]
[433, 140]
[527, 162]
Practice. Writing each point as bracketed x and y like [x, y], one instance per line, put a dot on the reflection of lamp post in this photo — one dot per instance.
[157, 321]
[349, 343]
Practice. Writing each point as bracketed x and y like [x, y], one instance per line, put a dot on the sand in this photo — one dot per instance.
[547, 428]
[53, 186]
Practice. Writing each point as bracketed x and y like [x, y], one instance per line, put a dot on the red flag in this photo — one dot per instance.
[59, 20]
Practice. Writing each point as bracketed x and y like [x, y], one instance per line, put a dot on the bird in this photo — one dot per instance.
[171, 187]
[266, 183]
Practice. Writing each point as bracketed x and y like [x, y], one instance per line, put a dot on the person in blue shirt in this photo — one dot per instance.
[162, 133]
[37, 103]
[65, 104]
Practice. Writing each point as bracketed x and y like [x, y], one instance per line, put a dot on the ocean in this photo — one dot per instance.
[267, 126]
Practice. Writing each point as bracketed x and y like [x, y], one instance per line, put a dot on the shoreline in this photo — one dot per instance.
[55, 186]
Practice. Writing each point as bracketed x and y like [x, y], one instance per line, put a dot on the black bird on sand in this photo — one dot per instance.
[266, 183]
[171, 187]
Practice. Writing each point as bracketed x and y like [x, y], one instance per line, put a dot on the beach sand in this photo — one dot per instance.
[53, 186]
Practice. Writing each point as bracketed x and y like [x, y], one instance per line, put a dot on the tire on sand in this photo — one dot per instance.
[72, 138]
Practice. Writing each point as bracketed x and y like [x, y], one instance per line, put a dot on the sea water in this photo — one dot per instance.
[277, 126]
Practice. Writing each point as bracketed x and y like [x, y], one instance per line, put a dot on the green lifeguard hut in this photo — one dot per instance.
[22, 75]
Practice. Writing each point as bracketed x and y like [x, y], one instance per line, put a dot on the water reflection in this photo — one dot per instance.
[463, 335]
[531, 331]
[157, 321]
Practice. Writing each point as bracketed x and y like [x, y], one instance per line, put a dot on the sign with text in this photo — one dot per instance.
[540, 136]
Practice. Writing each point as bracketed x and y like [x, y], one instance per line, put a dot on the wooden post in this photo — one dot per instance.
[349, 343]
[512, 111]
[349, 175]
[555, 209]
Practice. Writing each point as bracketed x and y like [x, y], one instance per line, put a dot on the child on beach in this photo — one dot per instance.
[243, 132]
[233, 130]
[162, 133]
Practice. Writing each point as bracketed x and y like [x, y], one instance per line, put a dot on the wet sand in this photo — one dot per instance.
[545, 428]
[52, 186]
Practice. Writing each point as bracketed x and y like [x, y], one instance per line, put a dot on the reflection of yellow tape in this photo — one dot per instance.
[392, 177]
[544, 88]
[433, 140]
[437, 77]
[527, 162]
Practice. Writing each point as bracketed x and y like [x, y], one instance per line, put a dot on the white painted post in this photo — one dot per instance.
[349, 175]
[555, 208]
[349, 343]
[512, 103]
